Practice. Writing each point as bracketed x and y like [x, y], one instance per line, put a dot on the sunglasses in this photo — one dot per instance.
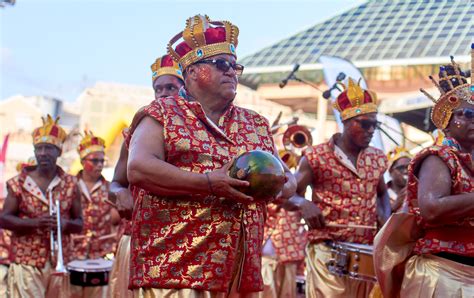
[467, 113]
[224, 65]
[96, 161]
[367, 124]
[401, 168]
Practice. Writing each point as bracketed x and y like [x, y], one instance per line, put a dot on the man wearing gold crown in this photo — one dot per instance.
[398, 160]
[194, 234]
[349, 193]
[98, 237]
[32, 195]
[439, 257]
[167, 79]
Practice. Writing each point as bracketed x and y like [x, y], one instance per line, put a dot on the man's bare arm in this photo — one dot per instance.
[383, 202]
[437, 205]
[147, 169]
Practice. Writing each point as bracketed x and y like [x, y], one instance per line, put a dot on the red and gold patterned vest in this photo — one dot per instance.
[461, 168]
[34, 249]
[345, 194]
[191, 241]
[284, 229]
[4, 242]
[97, 238]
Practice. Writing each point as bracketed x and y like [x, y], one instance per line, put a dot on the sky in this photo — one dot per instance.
[58, 48]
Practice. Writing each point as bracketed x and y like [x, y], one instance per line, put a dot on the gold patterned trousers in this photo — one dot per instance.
[433, 276]
[279, 279]
[28, 281]
[322, 283]
[119, 275]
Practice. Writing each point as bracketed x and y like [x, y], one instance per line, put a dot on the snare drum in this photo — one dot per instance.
[89, 273]
[353, 260]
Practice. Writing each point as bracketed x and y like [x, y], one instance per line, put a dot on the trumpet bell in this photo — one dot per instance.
[289, 158]
[297, 135]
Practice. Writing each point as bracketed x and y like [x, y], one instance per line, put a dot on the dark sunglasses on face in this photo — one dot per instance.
[467, 113]
[96, 161]
[401, 168]
[367, 124]
[224, 65]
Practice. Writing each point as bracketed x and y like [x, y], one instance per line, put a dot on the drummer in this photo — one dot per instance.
[98, 237]
[27, 213]
[346, 175]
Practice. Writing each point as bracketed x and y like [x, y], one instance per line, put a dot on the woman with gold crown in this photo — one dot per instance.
[434, 242]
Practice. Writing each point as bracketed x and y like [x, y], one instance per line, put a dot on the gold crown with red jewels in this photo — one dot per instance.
[203, 38]
[396, 154]
[453, 89]
[355, 101]
[50, 132]
[165, 65]
[90, 144]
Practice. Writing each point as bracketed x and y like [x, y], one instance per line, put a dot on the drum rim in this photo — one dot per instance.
[107, 268]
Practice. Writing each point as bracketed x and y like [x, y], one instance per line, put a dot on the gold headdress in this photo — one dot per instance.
[50, 132]
[453, 89]
[165, 66]
[203, 38]
[355, 101]
[396, 154]
[90, 144]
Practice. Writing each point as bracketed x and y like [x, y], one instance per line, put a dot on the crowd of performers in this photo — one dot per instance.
[179, 226]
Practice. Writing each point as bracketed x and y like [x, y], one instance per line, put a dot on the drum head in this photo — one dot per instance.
[95, 265]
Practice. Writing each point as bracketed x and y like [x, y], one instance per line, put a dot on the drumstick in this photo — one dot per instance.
[348, 226]
[110, 203]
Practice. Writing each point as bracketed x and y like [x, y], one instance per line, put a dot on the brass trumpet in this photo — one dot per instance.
[56, 243]
[295, 139]
[297, 136]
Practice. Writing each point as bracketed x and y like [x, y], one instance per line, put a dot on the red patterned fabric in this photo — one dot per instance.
[97, 238]
[34, 249]
[191, 241]
[4, 242]
[461, 168]
[345, 196]
[284, 229]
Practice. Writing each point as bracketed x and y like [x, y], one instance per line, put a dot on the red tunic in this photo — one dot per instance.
[97, 238]
[456, 237]
[4, 242]
[284, 229]
[34, 249]
[191, 241]
[346, 194]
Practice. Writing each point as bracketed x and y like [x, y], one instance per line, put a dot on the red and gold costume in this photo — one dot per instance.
[30, 270]
[346, 194]
[4, 257]
[425, 273]
[198, 244]
[201, 232]
[97, 238]
[287, 241]
[119, 276]
[393, 156]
